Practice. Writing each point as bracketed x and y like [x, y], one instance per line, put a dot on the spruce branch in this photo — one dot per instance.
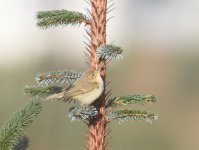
[82, 113]
[68, 76]
[22, 143]
[14, 128]
[130, 99]
[109, 51]
[41, 91]
[98, 54]
[125, 115]
[52, 18]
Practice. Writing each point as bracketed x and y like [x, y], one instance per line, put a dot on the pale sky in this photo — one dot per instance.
[150, 21]
[21, 40]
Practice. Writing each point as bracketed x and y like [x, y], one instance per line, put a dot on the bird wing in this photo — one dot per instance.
[58, 95]
[55, 96]
[81, 88]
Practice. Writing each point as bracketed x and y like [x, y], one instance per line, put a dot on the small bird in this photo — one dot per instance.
[85, 90]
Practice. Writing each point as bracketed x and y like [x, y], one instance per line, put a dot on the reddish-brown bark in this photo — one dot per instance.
[97, 126]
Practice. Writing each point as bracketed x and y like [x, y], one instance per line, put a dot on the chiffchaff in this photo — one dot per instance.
[85, 90]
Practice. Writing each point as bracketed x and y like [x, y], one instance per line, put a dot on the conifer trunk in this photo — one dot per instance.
[97, 126]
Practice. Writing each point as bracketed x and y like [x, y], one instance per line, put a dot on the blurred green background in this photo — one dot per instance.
[161, 57]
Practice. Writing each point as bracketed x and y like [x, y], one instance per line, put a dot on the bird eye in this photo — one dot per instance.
[93, 75]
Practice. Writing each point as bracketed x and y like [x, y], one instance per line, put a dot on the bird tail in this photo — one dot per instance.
[55, 96]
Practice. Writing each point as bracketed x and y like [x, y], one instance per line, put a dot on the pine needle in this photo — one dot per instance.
[52, 18]
[14, 128]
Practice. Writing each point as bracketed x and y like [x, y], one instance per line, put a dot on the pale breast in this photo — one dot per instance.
[88, 98]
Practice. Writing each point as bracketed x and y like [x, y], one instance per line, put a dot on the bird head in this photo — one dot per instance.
[91, 74]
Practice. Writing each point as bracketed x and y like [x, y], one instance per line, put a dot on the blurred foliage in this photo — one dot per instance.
[13, 129]
[22, 144]
[167, 76]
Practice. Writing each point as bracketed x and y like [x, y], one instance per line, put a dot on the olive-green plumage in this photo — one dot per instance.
[85, 90]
